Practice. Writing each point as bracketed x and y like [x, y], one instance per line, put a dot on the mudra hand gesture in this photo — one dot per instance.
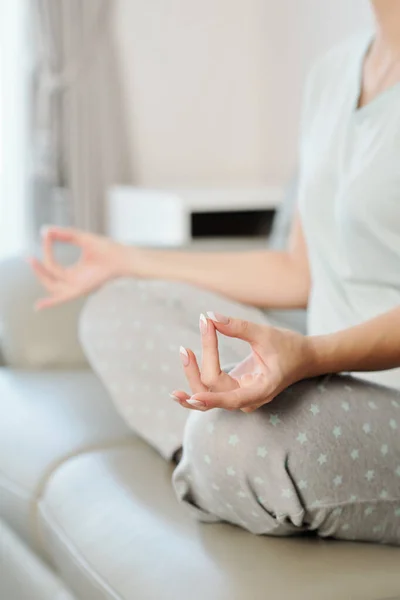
[278, 358]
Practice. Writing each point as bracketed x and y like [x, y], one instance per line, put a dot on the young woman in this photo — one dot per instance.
[272, 446]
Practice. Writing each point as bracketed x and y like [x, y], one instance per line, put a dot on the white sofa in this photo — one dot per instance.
[87, 511]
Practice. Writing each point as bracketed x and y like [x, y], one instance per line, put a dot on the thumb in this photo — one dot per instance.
[237, 328]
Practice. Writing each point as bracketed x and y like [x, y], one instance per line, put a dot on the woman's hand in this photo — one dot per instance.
[278, 359]
[101, 259]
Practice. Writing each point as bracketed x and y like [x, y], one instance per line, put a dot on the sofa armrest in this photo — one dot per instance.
[34, 340]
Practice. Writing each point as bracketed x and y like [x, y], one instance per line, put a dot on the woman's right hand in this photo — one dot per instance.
[101, 259]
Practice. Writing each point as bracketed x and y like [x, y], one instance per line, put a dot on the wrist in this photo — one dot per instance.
[321, 353]
[130, 261]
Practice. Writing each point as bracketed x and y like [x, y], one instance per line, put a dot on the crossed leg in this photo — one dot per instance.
[323, 456]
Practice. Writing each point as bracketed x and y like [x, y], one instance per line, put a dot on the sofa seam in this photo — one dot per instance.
[42, 483]
[19, 490]
[95, 576]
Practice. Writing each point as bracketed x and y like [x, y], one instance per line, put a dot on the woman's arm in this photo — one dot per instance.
[264, 278]
[370, 346]
[281, 357]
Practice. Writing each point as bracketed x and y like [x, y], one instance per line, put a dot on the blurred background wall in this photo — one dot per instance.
[153, 93]
[213, 88]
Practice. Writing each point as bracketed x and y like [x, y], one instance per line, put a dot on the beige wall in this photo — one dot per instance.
[213, 87]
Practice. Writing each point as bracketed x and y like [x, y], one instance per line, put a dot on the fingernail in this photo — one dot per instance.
[184, 356]
[174, 398]
[203, 324]
[217, 317]
[195, 402]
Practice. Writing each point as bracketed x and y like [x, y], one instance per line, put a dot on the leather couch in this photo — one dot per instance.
[87, 510]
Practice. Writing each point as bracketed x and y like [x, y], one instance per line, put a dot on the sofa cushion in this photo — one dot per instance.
[23, 576]
[29, 339]
[114, 529]
[45, 417]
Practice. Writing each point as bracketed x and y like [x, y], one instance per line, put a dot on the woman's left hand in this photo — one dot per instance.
[279, 358]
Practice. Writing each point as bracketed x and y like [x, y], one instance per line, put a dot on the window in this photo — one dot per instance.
[14, 70]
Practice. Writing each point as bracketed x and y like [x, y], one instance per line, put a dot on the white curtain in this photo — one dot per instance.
[79, 134]
[14, 111]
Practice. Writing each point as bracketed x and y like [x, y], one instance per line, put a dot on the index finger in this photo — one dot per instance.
[191, 369]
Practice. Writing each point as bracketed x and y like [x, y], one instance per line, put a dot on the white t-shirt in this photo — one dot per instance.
[349, 196]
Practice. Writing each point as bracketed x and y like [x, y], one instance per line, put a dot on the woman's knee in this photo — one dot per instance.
[268, 454]
[300, 461]
[120, 303]
[230, 470]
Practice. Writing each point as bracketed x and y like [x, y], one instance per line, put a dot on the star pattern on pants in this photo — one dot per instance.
[233, 440]
[314, 409]
[302, 438]
[337, 431]
[262, 451]
[354, 454]
[367, 462]
[369, 475]
[274, 420]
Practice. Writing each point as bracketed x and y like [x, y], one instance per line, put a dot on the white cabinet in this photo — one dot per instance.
[162, 217]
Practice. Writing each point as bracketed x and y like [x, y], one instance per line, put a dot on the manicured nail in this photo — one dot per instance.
[184, 356]
[174, 398]
[203, 324]
[195, 402]
[217, 317]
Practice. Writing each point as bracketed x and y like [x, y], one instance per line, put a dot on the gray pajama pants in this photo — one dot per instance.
[324, 456]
